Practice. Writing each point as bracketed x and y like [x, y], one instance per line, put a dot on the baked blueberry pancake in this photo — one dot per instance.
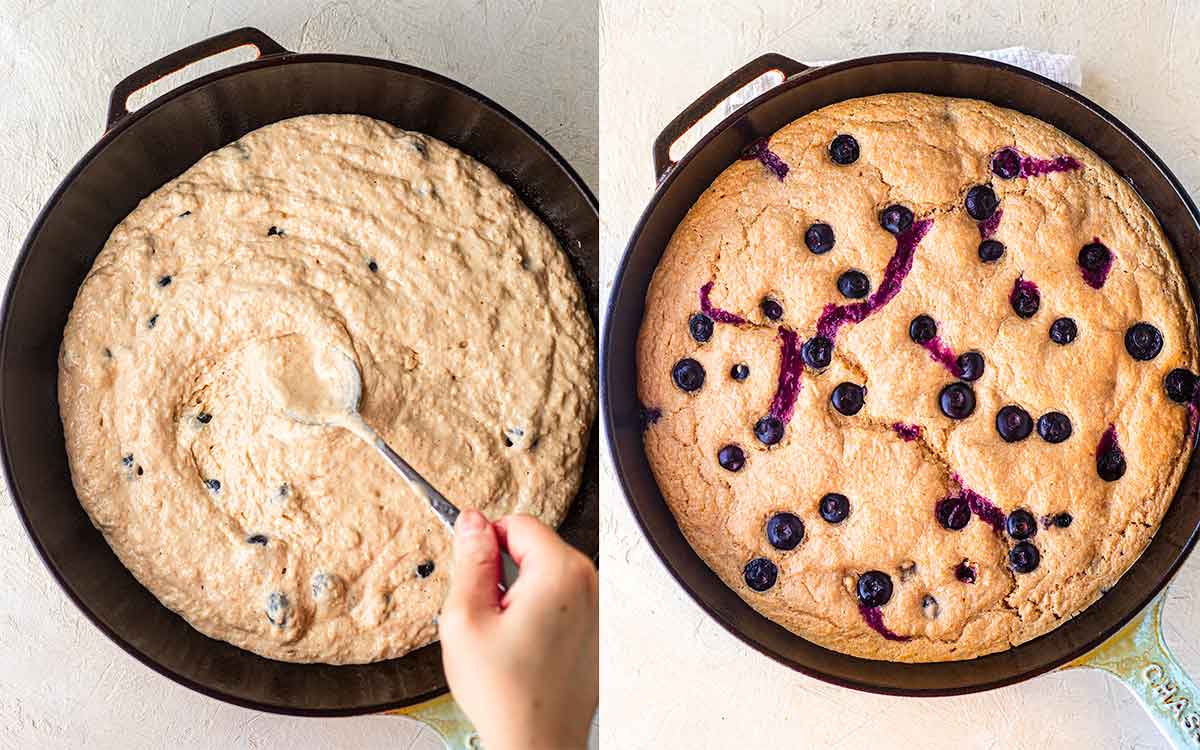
[919, 377]
[321, 233]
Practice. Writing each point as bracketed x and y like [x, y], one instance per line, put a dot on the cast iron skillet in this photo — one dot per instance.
[138, 153]
[680, 186]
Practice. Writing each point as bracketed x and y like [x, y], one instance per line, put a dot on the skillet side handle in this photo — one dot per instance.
[444, 717]
[712, 98]
[1139, 658]
[182, 58]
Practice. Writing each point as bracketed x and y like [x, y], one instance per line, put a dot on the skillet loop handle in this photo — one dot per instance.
[1138, 657]
[444, 717]
[182, 58]
[712, 98]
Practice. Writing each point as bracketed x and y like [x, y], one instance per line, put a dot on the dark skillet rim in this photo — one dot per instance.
[19, 264]
[665, 182]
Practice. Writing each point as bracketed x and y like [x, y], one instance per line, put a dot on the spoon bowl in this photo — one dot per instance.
[329, 396]
[349, 394]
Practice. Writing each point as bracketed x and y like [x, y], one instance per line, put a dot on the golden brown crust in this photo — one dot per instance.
[746, 234]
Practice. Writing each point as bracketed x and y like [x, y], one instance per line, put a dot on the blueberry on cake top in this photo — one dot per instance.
[974, 377]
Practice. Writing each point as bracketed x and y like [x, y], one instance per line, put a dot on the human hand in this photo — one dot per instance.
[523, 665]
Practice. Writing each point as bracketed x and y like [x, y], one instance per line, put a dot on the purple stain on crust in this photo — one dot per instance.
[1034, 167]
[987, 511]
[834, 316]
[1095, 277]
[907, 432]
[1193, 421]
[1008, 163]
[983, 508]
[791, 366]
[761, 151]
[988, 227]
[874, 618]
[1110, 459]
[647, 417]
[1108, 441]
[716, 313]
[939, 352]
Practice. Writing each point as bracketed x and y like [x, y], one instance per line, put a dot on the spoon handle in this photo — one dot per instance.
[445, 509]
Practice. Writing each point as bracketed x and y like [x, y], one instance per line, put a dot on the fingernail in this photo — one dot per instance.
[470, 522]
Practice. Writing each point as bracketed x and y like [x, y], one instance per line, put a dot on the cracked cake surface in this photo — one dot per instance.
[922, 373]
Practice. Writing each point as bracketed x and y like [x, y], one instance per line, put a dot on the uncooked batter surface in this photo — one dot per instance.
[318, 233]
[919, 377]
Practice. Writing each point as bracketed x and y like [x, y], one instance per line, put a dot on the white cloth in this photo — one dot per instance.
[1057, 67]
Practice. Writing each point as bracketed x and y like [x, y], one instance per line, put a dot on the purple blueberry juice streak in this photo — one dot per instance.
[834, 315]
[988, 227]
[1095, 278]
[716, 313]
[1008, 163]
[874, 618]
[907, 432]
[647, 417]
[1193, 421]
[1021, 285]
[761, 151]
[939, 352]
[983, 508]
[987, 511]
[1108, 441]
[1033, 167]
[791, 366]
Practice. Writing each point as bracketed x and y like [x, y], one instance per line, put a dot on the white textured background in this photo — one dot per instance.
[671, 678]
[62, 684]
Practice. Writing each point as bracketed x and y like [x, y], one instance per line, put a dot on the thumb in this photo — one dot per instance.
[474, 585]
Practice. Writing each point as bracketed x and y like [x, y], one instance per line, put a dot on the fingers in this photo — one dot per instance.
[547, 562]
[474, 587]
[525, 537]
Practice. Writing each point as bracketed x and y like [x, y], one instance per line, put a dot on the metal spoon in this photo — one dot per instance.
[348, 395]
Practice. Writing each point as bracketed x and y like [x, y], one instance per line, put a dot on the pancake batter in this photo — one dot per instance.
[314, 235]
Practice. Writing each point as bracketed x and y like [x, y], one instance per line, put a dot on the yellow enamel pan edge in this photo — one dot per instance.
[443, 716]
[1138, 656]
